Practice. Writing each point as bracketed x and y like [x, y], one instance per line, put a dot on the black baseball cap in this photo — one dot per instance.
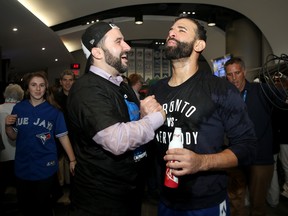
[94, 34]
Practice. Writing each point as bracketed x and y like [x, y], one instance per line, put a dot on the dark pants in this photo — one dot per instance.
[34, 197]
[7, 178]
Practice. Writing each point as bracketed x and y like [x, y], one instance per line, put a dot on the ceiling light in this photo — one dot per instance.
[212, 20]
[15, 29]
[138, 19]
[211, 23]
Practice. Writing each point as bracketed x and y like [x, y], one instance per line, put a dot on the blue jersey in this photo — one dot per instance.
[36, 150]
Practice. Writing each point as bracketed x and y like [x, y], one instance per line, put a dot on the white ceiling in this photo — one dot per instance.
[23, 48]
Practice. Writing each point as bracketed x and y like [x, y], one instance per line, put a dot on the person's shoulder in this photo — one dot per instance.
[5, 106]
[22, 103]
[86, 81]
[257, 87]
[21, 106]
[79, 84]
[255, 84]
[217, 82]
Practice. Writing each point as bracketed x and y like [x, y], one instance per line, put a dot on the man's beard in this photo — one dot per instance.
[115, 62]
[181, 50]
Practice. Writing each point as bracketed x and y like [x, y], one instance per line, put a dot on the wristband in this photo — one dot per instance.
[72, 161]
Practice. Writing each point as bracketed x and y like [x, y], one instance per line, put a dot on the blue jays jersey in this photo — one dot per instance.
[36, 151]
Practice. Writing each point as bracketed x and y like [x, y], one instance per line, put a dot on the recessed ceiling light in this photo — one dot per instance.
[188, 12]
[211, 24]
[56, 60]
[15, 29]
[43, 48]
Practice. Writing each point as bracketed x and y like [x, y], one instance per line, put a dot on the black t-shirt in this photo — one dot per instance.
[102, 180]
[206, 108]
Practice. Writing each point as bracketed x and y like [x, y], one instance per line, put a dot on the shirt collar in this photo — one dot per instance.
[10, 100]
[96, 70]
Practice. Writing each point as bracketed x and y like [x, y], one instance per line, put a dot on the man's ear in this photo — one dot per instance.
[199, 45]
[97, 52]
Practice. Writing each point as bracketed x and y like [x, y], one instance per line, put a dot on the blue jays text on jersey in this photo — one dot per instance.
[41, 123]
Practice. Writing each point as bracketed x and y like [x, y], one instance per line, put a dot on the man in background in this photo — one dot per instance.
[67, 79]
[257, 176]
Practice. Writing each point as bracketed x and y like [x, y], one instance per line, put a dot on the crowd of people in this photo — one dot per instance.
[95, 134]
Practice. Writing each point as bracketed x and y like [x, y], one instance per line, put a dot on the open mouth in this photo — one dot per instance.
[124, 57]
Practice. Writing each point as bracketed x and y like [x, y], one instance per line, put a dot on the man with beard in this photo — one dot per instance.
[206, 108]
[110, 128]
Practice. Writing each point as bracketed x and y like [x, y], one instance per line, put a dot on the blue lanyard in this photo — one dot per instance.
[244, 95]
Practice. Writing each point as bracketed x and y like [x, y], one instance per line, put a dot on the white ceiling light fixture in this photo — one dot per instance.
[139, 19]
[211, 24]
[212, 20]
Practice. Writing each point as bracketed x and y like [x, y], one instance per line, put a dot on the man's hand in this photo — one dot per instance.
[184, 161]
[188, 162]
[150, 105]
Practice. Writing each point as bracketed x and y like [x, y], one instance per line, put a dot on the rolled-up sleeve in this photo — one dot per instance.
[120, 137]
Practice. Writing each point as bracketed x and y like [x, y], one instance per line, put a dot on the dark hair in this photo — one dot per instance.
[48, 94]
[200, 32]
[235, 60]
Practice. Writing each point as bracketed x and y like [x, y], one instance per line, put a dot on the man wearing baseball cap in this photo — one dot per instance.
[110, 129]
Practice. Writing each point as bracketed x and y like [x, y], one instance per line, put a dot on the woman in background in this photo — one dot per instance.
[13, 94]
[34, 123]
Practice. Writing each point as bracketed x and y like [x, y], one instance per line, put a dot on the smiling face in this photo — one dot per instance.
[66, 82]
[37, 89]
[116, 50]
